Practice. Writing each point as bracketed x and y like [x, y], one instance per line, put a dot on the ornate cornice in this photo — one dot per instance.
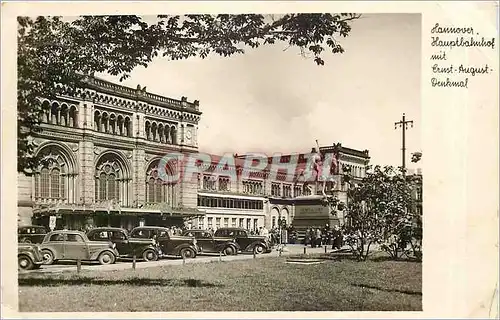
[141, 95]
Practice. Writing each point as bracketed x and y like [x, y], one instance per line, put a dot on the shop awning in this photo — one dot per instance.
[111, 209]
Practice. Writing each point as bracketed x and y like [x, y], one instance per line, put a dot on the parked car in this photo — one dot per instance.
[246, 241]
[185, 247]
[31, 234]
[207, 243]
[75, 245]
[126, 246]
[29, 256]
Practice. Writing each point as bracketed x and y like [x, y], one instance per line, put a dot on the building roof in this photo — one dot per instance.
[141, 94]
[345, 150]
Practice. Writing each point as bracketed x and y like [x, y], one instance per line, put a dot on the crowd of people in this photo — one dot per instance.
[317, 237]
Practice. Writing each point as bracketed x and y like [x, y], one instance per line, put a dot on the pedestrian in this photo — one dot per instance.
[265, 232]
[337, 238]
[313, 238]
[318, 237]
[307, 238]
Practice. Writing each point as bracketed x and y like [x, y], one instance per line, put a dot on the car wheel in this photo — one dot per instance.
[258, 249]
[149, 255]
[106, 257]
[25, 263]
[229, 251]
[187, 253]
[48, 257]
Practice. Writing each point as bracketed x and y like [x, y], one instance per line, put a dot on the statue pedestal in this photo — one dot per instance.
[313, 212]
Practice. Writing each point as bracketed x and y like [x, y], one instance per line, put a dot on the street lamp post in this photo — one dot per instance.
[403, 124]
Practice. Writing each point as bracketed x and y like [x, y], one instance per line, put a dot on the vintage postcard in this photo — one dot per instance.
[253, 160]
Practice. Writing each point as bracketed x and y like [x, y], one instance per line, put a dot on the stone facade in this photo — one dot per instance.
[100, 150]
[96, 148]
[278, 196]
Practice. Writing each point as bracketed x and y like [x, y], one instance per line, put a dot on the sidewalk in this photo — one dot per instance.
[127, 264]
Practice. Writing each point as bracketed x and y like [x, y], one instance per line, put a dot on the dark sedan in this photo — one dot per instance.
[246, 241]
[169, 244]
[210, 244]
[126, 246]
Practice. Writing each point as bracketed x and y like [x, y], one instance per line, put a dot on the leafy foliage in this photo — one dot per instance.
[53, 50]
[381, 210]
[416, 157]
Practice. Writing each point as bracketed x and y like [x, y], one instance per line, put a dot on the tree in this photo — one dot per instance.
[53, 51]
[379, 210]
[416, 157]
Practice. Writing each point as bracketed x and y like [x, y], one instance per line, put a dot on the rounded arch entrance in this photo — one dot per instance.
[275, 214]
[285, 214]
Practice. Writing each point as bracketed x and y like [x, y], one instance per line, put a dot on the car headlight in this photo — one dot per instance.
[194, 241]
[113, 245]
[154, 242]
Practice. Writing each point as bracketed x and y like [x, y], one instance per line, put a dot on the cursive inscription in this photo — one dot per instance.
[456, 75]
[450, 29]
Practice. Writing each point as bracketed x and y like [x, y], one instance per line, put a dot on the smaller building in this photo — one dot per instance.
[263, 199]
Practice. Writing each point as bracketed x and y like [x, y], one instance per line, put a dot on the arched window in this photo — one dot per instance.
[112, 124]
[127, 127]
[54, 113]
[45, 116]
[44, 185]
[173, 135]
[166, 133]
[148, 130]
[108, 184]
[73, 118]
[102, 187]
[104, 122]
[158, 190]
[111, 180]
[97, 121]
[151, 190]
[51, 179]
[55, 183]
[64, 112]
[154, 132]
[120, 125]
[160, 133]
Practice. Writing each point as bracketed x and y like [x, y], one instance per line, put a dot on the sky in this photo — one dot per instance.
[271, 100]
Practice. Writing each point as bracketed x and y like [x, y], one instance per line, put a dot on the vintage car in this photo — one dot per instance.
[125, 245]
[185, 247]
[246, 241]
[75, 245]
[207, 243]
[31, 234]
[29, 256]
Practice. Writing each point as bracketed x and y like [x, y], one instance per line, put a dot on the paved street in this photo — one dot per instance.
[70, 266]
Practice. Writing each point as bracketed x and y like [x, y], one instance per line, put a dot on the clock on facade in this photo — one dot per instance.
[188, 134]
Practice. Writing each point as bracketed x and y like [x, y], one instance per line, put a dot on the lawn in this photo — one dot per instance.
[251, 285]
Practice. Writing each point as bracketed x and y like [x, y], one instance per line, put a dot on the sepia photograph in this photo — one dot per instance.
[219, 162]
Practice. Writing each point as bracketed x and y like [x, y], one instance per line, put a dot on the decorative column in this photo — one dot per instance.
[86, 169]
